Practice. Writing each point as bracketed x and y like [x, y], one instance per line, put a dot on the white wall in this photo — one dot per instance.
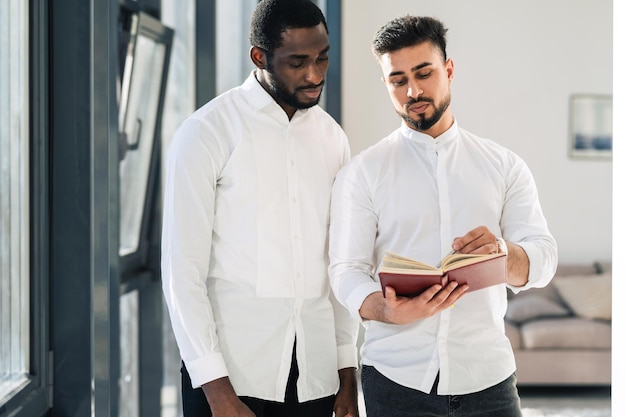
[516, 65]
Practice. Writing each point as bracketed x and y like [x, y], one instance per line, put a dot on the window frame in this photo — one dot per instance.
[152, 29]
[33, 397]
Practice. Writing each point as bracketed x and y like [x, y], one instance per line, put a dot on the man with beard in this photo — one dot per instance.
[245, 228]
[428, 188]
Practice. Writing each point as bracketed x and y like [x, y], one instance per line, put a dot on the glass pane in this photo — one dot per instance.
[129, 352]
[14, 205]
[233, 64]
[138, 128]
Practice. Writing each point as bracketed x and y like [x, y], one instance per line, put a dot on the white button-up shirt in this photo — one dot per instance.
[244, 251]
[412, 194]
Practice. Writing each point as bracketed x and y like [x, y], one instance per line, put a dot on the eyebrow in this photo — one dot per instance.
[415, 68]
[304, 56]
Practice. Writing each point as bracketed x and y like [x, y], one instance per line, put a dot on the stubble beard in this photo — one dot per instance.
[281, 93]
[423, 123]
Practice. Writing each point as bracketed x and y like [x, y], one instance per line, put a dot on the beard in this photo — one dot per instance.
[423, 123]
[281, 93]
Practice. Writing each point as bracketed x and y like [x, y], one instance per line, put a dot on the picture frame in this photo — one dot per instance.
[591, 126]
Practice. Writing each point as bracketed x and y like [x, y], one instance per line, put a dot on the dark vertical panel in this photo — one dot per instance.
[39, 237]
[104, 241]
[70, 210]
[84, 310]
[150, 348]
[333, 78]
[205, 51]
[151, 351]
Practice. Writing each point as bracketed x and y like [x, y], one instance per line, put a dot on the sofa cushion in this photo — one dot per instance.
[588, 296]
[574, 333]
[534, 306]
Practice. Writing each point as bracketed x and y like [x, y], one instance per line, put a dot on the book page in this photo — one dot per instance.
[461, 259]
[404, 270]
[392, 260]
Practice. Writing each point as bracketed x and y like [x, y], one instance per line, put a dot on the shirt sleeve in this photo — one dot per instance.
[353, 226]
[192, 165]
[523, 223]
[346, 326]
[346, 332]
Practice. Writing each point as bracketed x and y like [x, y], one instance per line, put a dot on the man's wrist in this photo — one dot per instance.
[219, 390]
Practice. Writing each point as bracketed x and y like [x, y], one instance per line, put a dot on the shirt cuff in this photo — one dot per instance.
[358, 295]
[347, 357]
[206, 369]
[537, 277]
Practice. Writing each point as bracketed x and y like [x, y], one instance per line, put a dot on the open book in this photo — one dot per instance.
[410, 277]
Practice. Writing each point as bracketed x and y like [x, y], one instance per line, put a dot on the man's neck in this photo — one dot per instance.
[259, 74]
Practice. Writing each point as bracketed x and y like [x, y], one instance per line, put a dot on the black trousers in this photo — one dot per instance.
[386, 398]
[196, 405]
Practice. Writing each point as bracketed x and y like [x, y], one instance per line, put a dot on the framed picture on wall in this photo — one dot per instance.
[591, 126]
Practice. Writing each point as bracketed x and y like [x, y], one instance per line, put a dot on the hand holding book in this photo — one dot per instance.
[409, 277]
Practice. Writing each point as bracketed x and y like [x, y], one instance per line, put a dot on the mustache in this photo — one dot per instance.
[311, 86]
[412, 101]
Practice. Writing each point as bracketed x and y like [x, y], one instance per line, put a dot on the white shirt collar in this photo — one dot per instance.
[420, 137]
[258, 97]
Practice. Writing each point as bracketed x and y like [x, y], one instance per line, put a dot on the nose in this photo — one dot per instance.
[315, 73]
[414, 90]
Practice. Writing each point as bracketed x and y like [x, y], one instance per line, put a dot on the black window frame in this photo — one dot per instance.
[34, 398]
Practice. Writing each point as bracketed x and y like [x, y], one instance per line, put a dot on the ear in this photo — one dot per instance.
[258, 57]
[450, 69]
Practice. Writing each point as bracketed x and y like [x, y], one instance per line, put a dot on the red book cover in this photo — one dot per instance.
[410, 278]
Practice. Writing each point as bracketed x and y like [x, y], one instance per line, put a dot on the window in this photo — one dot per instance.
[140, 110]
[139, 118]
[14, 202]
[233, 63]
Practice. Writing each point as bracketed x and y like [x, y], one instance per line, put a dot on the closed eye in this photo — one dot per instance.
[397, 82]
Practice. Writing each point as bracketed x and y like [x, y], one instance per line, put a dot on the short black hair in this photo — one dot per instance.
[272, 17]
[407, 31]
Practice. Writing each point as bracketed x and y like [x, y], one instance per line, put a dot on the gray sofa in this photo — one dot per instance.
[561, 334]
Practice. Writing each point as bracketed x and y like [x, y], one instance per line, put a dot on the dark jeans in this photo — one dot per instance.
[196, 405]
[385, 398]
